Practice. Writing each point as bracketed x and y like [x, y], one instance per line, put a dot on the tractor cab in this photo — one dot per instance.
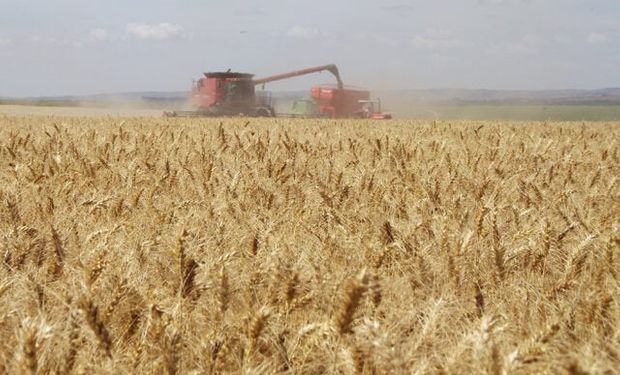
[371, 109]
[305, 108]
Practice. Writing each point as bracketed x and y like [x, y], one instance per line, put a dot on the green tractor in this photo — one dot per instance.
[305, 108]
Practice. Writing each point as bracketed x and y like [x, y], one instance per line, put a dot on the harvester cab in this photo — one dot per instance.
[224, 93]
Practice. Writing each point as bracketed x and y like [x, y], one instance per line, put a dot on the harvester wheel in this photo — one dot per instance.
[264, 112]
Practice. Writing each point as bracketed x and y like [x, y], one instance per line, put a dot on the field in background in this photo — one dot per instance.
[431, 111]
[77, 111]
[429, 104]
[509, 112]
[265, 246]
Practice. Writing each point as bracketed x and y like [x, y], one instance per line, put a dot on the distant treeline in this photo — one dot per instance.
[568, 102]
[41, 102]
[147, 103]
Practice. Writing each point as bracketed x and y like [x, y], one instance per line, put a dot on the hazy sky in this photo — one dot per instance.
[92, 46]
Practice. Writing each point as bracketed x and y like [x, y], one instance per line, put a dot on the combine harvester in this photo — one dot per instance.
[233, 94]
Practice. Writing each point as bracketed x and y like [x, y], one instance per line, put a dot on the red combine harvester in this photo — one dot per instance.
[233, 94]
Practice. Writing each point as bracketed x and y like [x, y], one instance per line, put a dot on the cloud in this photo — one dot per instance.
[161, 31]
[4, 41]
[98, 34]
[597, 38]
[302, 32]
[386, 39]
[436, 39]
[40, 41]
[527, 44]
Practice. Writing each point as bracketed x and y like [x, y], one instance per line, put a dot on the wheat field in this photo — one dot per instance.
[252, 246]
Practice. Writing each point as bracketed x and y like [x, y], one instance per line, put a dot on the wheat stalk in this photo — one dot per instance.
[91, 313]
[353, 293]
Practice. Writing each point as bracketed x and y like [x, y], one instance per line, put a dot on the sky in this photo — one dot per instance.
[76, 47]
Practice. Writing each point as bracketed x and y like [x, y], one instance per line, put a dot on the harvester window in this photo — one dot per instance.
[231, 91]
